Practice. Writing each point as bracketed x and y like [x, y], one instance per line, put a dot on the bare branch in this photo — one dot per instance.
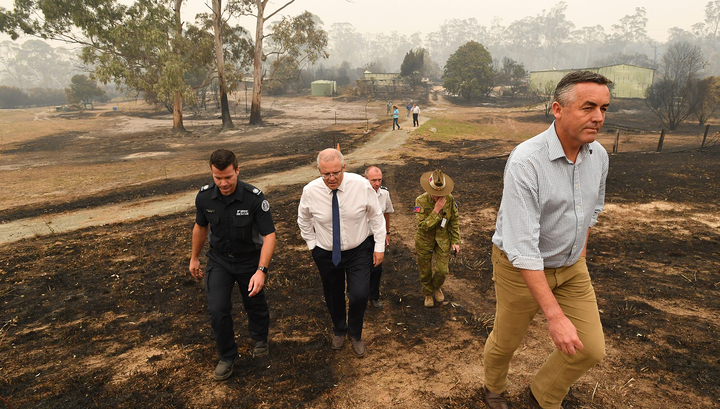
[278, 10]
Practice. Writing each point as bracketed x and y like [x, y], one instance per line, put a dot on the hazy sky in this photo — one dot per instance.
[425, 16]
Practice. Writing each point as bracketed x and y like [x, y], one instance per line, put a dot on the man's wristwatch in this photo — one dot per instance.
[263, 269]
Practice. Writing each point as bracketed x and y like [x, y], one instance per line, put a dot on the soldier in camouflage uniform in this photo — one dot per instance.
[438, 233]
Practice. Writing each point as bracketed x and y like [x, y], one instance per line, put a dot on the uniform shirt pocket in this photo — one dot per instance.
[242, 228]
[212, 218]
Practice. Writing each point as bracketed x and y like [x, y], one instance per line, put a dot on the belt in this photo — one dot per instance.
[234, 255]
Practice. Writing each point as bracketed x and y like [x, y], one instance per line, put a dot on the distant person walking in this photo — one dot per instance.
[554, 189]
[389, 105]
[374, 175]
[408, 107]
[416, 114]
[396, 115]
[438, 233]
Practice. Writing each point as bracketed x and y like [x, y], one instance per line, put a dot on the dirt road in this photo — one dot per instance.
[376, 148]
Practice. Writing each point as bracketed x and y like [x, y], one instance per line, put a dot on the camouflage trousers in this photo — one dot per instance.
[432, 279]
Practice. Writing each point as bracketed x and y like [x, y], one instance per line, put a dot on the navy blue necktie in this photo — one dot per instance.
[336, 229]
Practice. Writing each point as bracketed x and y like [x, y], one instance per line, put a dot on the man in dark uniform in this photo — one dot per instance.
[242, 240]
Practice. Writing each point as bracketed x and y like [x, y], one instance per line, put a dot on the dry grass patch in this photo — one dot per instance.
[20, 125]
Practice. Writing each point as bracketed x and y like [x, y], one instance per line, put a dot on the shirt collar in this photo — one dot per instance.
[236, 195]
[340, 188]
[585, 150]
[555, 149]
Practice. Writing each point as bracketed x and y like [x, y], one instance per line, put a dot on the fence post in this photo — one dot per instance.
[617, 141]
[660, 142]
[707, 128]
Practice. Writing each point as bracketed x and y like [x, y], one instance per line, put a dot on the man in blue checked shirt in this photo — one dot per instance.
[554, 189]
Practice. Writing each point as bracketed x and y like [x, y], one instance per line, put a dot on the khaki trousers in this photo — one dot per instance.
[516, 308]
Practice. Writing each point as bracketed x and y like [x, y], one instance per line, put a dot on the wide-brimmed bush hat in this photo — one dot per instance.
[436, 183]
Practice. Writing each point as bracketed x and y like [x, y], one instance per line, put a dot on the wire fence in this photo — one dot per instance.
[626, 139]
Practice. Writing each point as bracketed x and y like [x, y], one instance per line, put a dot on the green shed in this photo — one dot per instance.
[629, 81]
[323, 88]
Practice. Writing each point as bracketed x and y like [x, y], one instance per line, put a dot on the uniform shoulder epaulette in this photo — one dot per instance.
[253, 189]
[207, 187]
[383, 187]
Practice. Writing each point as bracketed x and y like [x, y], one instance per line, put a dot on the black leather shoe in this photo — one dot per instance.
[224, 369]
[261, 349]
[494, 400]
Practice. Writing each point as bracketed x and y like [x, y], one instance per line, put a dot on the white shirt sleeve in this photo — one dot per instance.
[305, 220]
[376, 219]
[388, 204]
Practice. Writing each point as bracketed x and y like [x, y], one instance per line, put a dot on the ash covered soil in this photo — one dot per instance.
[110, 317]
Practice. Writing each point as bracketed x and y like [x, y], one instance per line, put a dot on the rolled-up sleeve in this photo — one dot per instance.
[454, 228]
[601, 191]
[200, 218]
[521, 221]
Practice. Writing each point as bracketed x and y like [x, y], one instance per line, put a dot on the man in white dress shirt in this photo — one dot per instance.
[375, 177]
[341, 221]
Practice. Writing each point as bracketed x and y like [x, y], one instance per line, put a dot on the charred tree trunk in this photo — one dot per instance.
[178, 126]
[224, 106]
[255, 118]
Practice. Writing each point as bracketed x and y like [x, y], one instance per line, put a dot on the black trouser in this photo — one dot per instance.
[375, 274]
[220, 278]
[356, 264]
[416, 122]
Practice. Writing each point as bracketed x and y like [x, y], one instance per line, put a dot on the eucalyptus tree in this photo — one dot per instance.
[707, 33]
[297, 40]
[630, 34]
[388, 49]
[295, 43]
[138, 46]
[35, 63]
[591, 41]
[712, 18]
[218, 25]
[452, 34]
[346, 44]
[554, 33]
[83, 90]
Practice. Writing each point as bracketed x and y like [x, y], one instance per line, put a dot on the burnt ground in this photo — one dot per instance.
[283, 153]
[109, 317]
